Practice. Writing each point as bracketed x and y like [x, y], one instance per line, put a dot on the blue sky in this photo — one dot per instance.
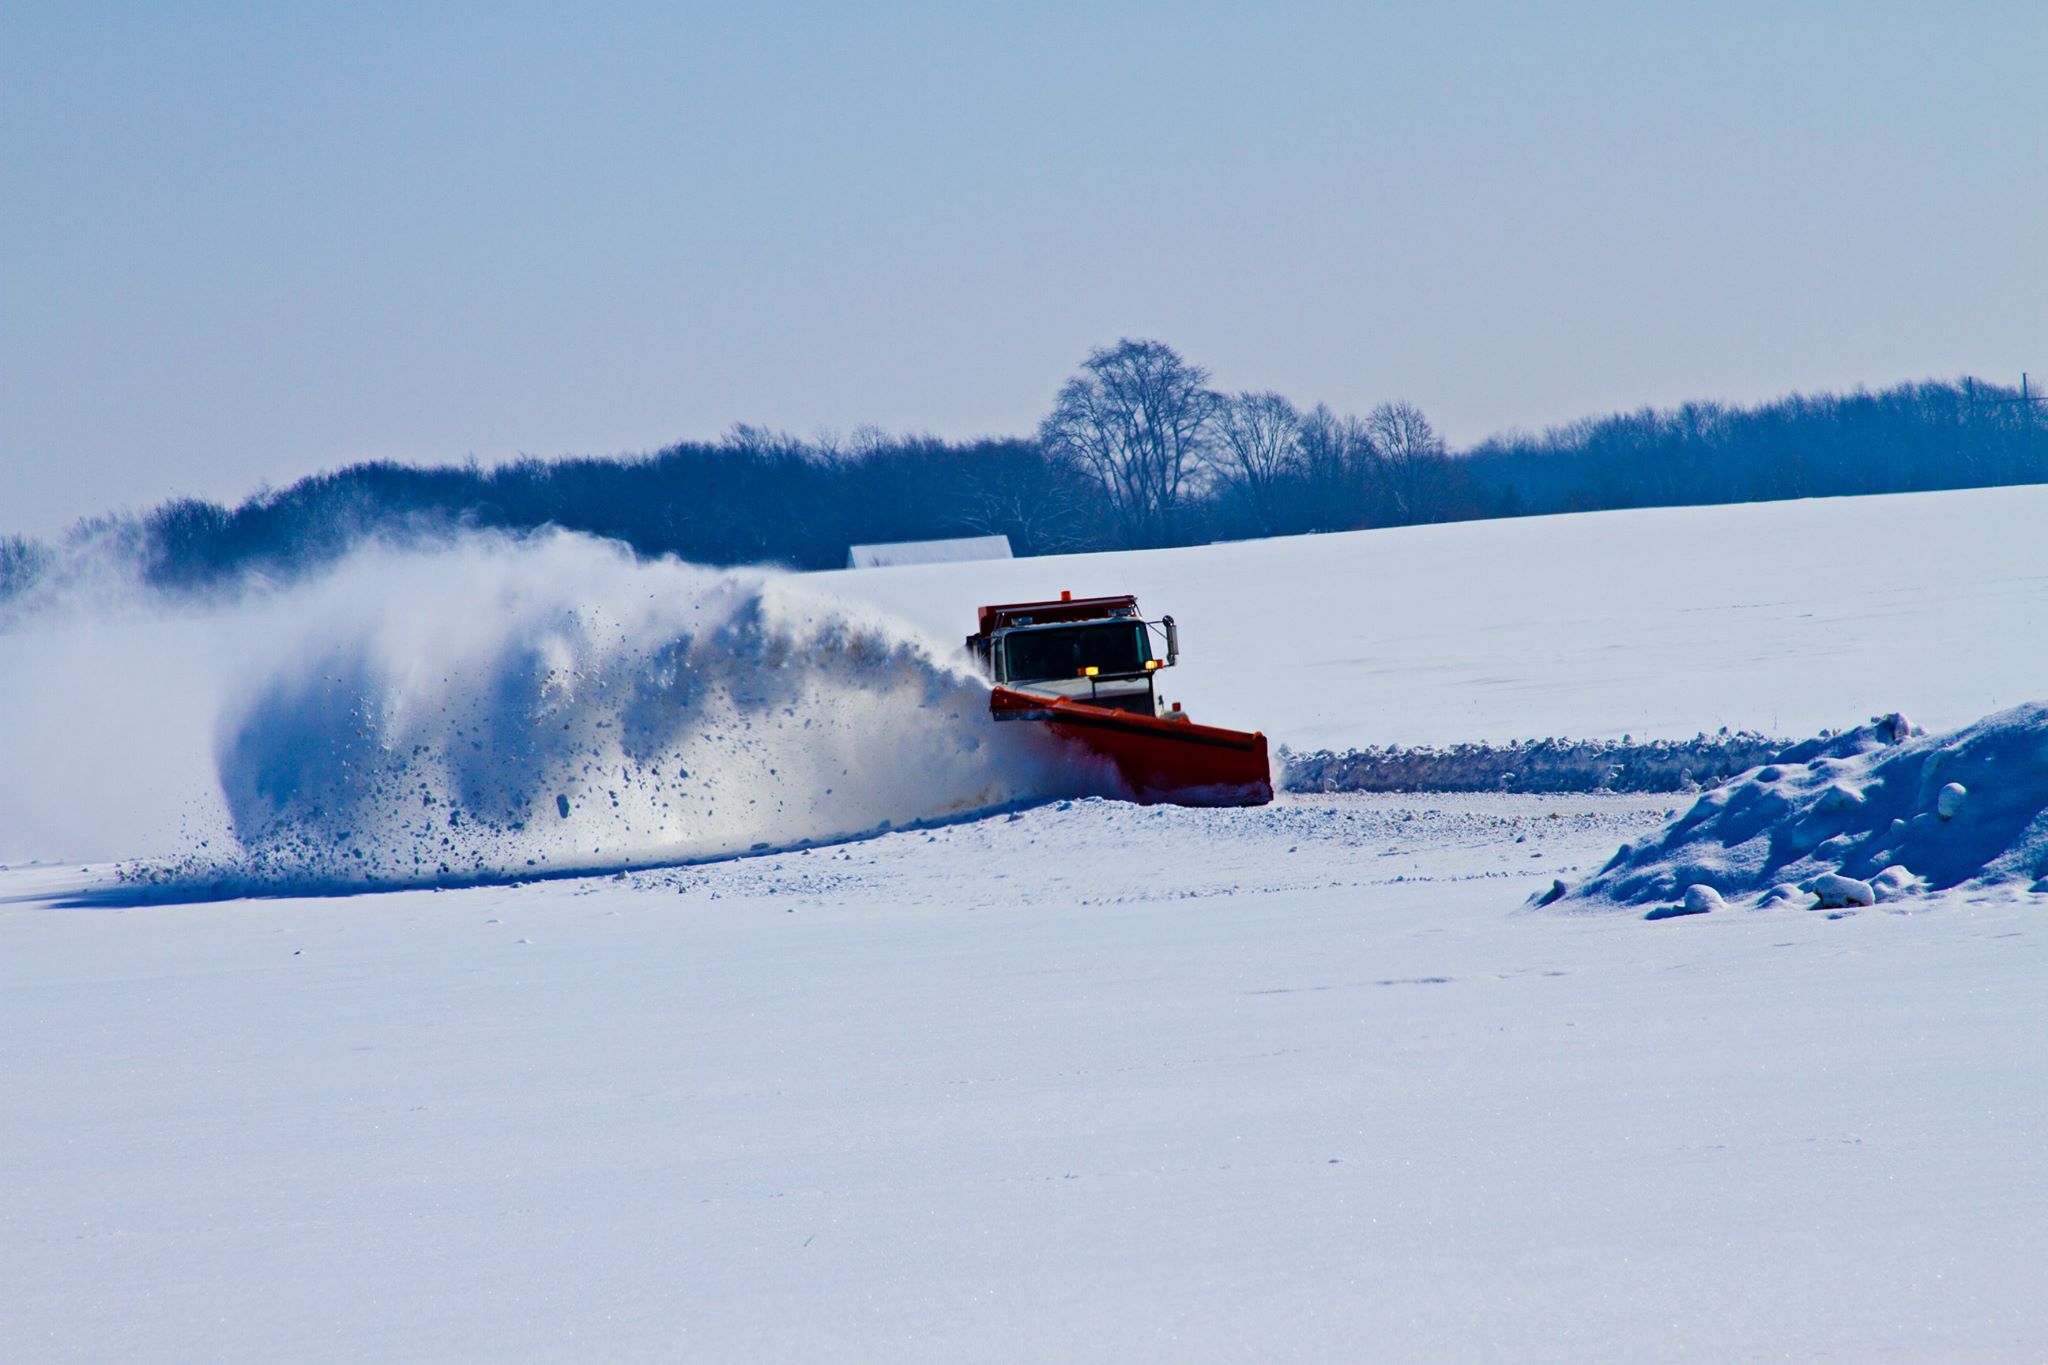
[239, 243]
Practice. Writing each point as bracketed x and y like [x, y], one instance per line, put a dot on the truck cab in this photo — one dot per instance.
[1097, 650]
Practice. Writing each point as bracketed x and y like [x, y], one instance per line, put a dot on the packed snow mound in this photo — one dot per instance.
[1868, 816]
[504, 707]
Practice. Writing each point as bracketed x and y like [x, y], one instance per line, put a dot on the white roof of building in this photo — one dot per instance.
[928, 552]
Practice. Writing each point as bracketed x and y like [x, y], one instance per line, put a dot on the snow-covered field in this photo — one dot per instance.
[1076, 1080]
[1094, 1083]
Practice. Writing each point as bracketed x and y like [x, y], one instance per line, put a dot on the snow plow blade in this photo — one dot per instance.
[1156, 759]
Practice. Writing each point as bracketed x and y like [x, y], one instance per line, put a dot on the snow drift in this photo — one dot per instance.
[501, 707]
[1870, 815]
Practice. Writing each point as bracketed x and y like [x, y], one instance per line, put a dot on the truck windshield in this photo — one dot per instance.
[1117, 647]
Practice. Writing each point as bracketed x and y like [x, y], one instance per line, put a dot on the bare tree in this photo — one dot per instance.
[870, 440]
[747, 439]
[1258, 448]
[1411, 462]
[1337, 469]
[1043, 503]
[22, 562]
[1136, 417]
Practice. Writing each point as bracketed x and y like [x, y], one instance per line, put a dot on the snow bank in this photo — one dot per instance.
[1546, 765]
[505, 707]
[1868, 816]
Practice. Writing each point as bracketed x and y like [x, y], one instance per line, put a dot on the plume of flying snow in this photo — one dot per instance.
[489, 708]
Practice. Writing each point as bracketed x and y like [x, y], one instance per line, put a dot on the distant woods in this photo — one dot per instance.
[1139, 450]
[1909, 439]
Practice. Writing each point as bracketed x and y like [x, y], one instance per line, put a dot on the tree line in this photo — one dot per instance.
[1910, 438]
[1139, 450]
[1175, 461]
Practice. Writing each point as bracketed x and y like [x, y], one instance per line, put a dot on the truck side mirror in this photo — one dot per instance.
[1172, 640]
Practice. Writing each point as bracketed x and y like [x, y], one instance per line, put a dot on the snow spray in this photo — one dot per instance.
[496, 707]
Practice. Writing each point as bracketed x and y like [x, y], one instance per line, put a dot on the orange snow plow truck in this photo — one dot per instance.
[1086, 668]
